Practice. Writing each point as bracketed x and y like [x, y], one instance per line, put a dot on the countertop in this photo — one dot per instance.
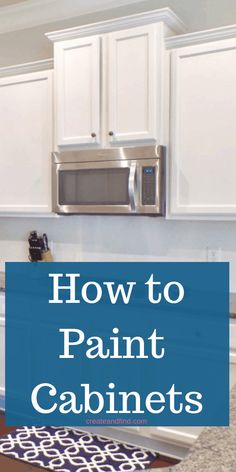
[215, 449]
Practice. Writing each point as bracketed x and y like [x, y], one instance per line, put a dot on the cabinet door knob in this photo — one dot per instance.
[111, 133]
[93, 135]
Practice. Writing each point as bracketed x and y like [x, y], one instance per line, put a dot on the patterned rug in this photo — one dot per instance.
[70, 450]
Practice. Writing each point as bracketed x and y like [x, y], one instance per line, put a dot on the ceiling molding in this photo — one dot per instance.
[165, 15]
[18, 69]
[199, 37]
[30, 13]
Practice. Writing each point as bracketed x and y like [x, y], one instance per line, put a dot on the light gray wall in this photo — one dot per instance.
[29, 45]
[121, 238]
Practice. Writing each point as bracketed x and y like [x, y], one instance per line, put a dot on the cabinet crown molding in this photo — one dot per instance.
[28, 67]
[199, 37]
[165, 15]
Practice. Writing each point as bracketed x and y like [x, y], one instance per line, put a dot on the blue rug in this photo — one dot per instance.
[70, 450]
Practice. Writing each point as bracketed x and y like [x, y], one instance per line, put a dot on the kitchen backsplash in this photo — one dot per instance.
[99, 238]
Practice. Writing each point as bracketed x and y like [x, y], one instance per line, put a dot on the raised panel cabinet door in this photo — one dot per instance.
[203, 138]
[26, 143]
[134, 57]
[2, 357]
[77, 83]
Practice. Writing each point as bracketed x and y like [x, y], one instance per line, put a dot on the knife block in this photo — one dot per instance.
[47, 256]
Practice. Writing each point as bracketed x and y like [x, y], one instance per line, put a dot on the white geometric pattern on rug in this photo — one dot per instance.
[69, 450]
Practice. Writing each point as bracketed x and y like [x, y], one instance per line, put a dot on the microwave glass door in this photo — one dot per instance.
[124, 186]
[105, 186]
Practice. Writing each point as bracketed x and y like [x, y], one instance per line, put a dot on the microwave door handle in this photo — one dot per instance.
[131, 185]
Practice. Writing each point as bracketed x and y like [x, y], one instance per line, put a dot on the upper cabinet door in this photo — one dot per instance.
[203, 130]
[77, 67]
[26, 143]
[133, 84]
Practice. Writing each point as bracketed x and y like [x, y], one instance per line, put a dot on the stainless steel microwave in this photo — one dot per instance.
[109, 181]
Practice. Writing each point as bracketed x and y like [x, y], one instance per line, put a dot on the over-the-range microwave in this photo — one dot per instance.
[109, 181]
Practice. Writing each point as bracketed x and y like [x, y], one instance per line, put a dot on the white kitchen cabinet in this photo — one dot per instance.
[109, 81]
[173, 441]
[2, 350]
[202, 141]
[26, 143]
[2, 356]
[133, 82]
[77, 91]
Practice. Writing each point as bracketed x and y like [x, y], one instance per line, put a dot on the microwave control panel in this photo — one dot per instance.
[148, 185]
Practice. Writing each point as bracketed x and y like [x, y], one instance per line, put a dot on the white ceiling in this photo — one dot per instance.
[6, 3]
[80, 3]
[23, 14]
